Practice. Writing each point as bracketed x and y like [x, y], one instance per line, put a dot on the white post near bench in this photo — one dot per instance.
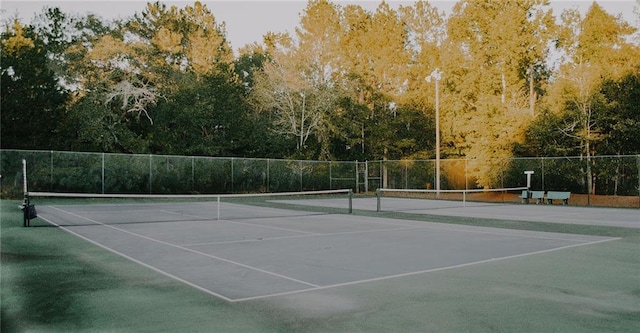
[527, 194]
[528, 173]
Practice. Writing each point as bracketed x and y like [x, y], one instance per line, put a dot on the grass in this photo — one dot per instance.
[52, 281]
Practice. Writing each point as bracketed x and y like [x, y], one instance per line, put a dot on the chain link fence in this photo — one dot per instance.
[604, 175]
[76, 172]
[595, 181]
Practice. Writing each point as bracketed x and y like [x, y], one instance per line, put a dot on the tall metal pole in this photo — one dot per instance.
[437, 134]
[437, 75]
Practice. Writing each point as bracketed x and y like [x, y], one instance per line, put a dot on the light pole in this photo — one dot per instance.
[437, 76]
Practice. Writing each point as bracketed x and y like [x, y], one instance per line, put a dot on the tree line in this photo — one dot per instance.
[348, 84]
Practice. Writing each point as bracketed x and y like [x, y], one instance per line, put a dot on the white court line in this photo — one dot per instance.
[419, 272]
[541, 211]
[515, 233]
[269, 227]
[200, 218]
[191, 250]
[253, 224]
[464, 228]
[566, 218]
[140, 262]
[246, 223]
[404, 226]
[424, 226]
[493, 232]
[301, 236]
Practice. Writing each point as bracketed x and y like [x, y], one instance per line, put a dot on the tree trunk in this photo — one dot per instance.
[532, 93]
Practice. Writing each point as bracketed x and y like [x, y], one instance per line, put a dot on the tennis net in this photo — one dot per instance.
[398, 199]
[72, 209]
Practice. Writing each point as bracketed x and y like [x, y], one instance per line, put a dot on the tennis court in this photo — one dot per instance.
[240, 252]
[305, 264]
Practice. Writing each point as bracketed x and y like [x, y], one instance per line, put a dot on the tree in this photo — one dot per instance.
[426, 34]
[595, 48]
[134, 98]
[186, 40]
[113, 88]
[251, 60]
[298, 105]
[319, 47]
[622, 120]
[207, 116]
[32, 101]
[496, 50]
[92, 125]
[621, 123]
[374, 76]
[543, 138]
[136, 71]
[297, 85]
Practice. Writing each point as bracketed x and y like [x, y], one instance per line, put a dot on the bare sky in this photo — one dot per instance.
[248, 20]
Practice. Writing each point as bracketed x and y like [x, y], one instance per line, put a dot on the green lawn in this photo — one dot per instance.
[53, 281]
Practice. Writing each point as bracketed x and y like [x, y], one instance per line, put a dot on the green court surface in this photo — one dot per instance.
[563, 277]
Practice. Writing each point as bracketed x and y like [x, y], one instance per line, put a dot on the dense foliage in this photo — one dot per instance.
[519, 80]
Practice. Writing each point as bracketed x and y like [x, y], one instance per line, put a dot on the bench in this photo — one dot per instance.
[554, 195]
[538, 195]
[526, 195]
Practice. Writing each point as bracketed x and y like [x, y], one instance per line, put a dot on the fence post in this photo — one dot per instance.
[466, 173]
[193, 174]
[366, 176]
[150, 174]
[638, 165]
[357, 178]
[102, 173]
[589, 179]
[51, 171]
[383, 175]
[406, 175]
[542, 167]
[330, 175]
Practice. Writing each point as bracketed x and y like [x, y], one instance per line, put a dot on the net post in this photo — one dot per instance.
[218, 198]
[24, 176]
[350, 201]
[378, 194]
[26, 221]
[25, 201]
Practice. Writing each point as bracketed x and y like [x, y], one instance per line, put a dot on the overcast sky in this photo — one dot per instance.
[248, 20]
